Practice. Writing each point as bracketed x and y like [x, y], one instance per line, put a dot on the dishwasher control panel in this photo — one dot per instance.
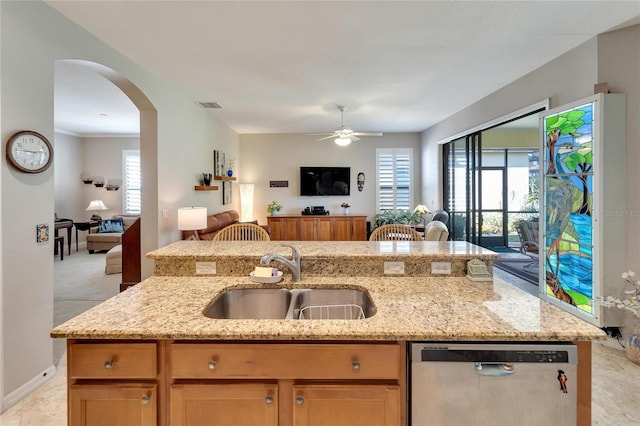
[500, 353]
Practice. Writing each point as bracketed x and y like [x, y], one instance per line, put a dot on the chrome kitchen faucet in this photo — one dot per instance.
[293, 265]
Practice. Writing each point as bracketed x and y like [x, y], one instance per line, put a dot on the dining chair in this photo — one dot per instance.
[395, 232]
[242, 232]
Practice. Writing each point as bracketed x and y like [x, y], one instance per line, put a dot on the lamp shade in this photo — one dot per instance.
[422, 209]
[192, 218]
[96, 205]
[246, 201]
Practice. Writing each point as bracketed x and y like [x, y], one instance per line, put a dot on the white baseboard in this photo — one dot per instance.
[17, 395]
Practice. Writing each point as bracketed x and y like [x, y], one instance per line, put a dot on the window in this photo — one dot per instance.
[132, 182]
[393, 180]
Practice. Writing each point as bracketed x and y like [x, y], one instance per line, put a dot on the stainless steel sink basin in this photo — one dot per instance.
[251, 303]
[332, 304]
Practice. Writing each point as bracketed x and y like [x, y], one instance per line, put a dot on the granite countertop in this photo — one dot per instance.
[320, 258]
[418, 308]
[318, 249]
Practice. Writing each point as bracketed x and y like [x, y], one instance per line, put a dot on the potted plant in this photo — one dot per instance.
[274, 207]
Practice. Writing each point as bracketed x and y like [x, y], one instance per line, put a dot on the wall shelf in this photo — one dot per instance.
[205, 188]
[224, 178]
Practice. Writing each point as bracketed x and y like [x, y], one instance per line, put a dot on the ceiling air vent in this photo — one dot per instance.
[210, 105]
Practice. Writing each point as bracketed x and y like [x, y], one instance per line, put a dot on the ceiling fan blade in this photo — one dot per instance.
[353, 138]
[367, 134]
[326, 137]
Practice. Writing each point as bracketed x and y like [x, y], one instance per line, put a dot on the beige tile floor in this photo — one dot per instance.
[616, 381]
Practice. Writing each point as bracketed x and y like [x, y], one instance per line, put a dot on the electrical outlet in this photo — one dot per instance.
[165, 213]
[394, 268]
[441, 268]
[205, 268]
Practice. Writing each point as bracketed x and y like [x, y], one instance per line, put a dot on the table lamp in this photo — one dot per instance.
[421, 210]
[96, 205]
[192, 219]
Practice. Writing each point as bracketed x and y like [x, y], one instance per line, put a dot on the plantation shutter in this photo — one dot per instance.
[394, 179]
[132, 182]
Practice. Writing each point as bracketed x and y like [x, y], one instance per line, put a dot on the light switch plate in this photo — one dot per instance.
[394, 268]
[205, 268]
[441, 268]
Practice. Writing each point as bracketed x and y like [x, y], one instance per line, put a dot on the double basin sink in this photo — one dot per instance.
[298, 304]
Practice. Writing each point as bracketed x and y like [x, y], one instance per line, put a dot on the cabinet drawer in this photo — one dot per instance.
[113, 361]
[285, 361]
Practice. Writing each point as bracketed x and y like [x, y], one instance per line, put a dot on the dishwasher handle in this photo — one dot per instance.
[493, 369]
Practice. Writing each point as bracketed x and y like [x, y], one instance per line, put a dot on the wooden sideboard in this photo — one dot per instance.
[318, 228]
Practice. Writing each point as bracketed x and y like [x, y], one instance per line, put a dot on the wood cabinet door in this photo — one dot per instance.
[107, 404]
[341, 228]
[277, 227]
[291, 229]
[323, 229]
[308, 229]
[346, 404]
[246, 404]
[359, 229]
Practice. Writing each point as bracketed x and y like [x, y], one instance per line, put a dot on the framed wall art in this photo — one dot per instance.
[226, 193]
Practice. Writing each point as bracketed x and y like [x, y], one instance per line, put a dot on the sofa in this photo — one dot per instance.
[108, 234]
[216, 222]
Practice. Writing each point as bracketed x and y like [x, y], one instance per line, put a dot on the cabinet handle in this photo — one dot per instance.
[145, 399]
[355, 365]
[212, 365]
[269, 399]
[108, 364]
[299, 399]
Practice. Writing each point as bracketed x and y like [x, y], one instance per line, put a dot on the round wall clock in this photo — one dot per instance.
[29, 152]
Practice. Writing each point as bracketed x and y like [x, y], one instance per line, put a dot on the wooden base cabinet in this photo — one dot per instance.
[286, 384]
[113, 383]
[247, 404]
[318, 228]
[371, 405]
[113, 404]
[193, 383]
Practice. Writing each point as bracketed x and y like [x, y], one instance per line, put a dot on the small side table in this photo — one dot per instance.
[84, 226]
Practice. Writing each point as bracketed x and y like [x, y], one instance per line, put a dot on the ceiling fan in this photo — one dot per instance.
[343, 135]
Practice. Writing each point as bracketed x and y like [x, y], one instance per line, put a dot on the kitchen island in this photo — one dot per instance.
[151, 348]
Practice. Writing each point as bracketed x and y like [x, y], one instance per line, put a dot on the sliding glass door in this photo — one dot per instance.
[491, 182]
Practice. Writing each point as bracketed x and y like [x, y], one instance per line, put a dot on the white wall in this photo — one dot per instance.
[279, 157]
[565, 79]
[102, 158]
[32, 38]
[67, 167]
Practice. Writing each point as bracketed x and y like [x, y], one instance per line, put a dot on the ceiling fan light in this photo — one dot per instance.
[342, 141]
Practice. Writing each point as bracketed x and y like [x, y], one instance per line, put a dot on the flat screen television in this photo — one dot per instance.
[325, 181]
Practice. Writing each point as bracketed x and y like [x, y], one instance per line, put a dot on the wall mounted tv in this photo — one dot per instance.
[325, 180]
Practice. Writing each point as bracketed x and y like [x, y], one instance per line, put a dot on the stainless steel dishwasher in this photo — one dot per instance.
[493, 384]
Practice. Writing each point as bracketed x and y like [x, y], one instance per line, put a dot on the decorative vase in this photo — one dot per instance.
[346, 210]
[273, 213]
[206, 179]
[229, 172]
[633, 345]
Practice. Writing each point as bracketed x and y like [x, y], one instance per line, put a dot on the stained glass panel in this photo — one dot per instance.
[568, 182]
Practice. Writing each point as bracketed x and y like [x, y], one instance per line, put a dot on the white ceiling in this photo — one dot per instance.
[282, 67]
